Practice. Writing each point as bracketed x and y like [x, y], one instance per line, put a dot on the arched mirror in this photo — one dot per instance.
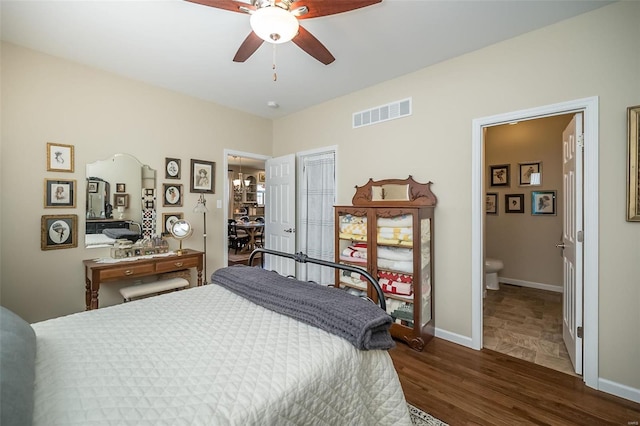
[120, 190]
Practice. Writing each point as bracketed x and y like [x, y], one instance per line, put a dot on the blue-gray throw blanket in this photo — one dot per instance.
[362, 323]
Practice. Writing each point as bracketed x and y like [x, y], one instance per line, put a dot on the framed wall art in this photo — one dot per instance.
[492, 203]
[633, 166]
[121, 187]
[59, 193]
[172, 168]
[499, 175]
[168, 219]
[543, 203]
[172, 195]
[59, 157]
[514, 203]
[202, 176]
[59, 232]
[121, 200]
[530, 174]
[262, 177]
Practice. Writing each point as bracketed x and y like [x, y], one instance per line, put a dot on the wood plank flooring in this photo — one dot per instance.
[462, 386]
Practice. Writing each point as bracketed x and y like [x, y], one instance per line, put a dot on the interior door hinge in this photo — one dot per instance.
[580, 141]
[580, 236]
[580, 332]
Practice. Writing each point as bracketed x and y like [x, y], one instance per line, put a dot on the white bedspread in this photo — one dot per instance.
[205, 356]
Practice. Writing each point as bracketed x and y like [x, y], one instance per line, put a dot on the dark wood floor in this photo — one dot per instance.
[461, 386]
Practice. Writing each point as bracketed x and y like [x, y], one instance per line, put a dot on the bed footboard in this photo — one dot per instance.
[303, 258]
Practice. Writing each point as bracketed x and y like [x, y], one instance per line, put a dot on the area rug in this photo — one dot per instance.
[420, 418]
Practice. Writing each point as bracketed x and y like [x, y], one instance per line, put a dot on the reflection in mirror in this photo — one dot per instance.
[390, 192]
[117, 183]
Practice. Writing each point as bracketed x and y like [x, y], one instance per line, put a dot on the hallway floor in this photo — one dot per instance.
[526, 323]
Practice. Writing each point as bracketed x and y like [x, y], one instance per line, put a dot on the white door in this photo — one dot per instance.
[571, 244]
[280, 213]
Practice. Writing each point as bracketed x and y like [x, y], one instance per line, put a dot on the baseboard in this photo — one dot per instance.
[604, 385]
[617, 389]
[454, 338]
[531, 284]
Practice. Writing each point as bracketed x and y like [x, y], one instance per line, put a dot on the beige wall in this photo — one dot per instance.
[525, 243]
[595, 54]
[45, 99]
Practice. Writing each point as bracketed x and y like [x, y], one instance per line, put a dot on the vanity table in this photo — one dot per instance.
[97, 273]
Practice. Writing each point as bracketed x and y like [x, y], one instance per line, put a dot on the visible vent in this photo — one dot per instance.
[382, 113]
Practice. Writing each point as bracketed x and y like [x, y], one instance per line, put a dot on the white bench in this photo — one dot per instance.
[155, 287]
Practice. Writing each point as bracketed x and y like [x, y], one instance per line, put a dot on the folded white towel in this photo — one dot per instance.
[395, 253]
[396, 265]
[397, 221]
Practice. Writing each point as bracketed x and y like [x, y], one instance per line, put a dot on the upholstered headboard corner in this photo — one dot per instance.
[17, 369]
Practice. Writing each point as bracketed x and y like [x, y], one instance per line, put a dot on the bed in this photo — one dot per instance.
[203, 356]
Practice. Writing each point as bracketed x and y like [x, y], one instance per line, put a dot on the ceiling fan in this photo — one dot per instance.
[276, 21]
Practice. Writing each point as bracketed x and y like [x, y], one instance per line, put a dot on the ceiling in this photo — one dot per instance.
[188, 48]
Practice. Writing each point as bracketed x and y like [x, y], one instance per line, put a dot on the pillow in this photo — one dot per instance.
[17, 369]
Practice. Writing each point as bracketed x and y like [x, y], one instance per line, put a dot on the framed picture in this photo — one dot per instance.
[543, 203]
[499, 175]
[172, 168]
[633, 167]
[492, 203]
[514, 203]
[530, 174]
[202, 175]
[59, 231]
[168, 219]
[92, 187]
[121, 200]
[262, 177]
[59, 157]
[59, 193]
[172, 195]
[121, 187]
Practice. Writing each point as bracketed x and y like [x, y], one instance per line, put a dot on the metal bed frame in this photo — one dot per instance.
[303, 258]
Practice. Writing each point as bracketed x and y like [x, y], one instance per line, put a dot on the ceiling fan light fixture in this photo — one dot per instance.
[274, 24]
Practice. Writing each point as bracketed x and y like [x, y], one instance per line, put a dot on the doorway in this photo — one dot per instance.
[589, 109]
[246, 199]
[522, 314]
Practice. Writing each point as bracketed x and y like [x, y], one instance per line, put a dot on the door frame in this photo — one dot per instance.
[589, 108]
[225, 193]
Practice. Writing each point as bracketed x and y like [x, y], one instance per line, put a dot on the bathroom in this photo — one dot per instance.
[523, 223]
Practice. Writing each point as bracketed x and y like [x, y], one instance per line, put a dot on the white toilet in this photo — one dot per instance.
[491, 269]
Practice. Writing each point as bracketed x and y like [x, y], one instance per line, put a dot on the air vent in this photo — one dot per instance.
[382, 113]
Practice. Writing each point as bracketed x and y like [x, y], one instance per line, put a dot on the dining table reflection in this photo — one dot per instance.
[253, 230]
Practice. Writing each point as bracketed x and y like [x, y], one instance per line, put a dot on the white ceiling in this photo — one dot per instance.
[189, 48]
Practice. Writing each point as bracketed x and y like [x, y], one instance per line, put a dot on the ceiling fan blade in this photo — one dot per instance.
[323, 8]
[307, 42]
[231, 5]
[248, 47]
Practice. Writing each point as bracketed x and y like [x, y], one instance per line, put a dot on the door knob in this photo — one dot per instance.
[560, 245]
